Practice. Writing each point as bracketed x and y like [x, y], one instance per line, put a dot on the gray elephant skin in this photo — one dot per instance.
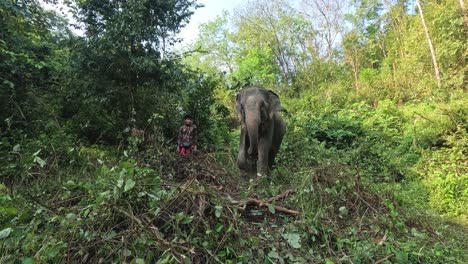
[262, 128]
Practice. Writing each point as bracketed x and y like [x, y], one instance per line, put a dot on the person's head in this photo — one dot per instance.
[188, 120]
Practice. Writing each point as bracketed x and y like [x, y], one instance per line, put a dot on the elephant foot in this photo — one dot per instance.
[242, 164]
[262, 171]
[244, 174]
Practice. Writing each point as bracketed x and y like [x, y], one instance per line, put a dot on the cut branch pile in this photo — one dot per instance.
[243, 204]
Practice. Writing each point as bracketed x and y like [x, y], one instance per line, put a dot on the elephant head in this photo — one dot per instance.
[262, 128]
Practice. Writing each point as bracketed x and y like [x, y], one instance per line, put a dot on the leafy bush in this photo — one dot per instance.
[87, 216]
[445, 173]
[357, 135]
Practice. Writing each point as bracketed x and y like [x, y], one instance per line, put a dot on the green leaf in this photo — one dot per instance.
[126, 252]
[10, 84]
[53, 251]
[29, 261]
[293, 239]
[187, 220]
[137, 261]
[180, 216]
[120, 182]
[343, 211]
[5, 232]
[8, 210]
[16, 148]
[129, 184]
[71, 216]
[39, 161]
[401, 257]
[218, 210]
[110, 235]
[271, 208]
[219, 227]
[273, 254]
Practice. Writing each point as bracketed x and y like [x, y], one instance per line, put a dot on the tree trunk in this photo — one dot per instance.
[355, 70]
[434, 60]
[465, 17]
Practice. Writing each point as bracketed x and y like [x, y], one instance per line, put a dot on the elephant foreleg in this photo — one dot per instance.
[263, 156]
[244, 145]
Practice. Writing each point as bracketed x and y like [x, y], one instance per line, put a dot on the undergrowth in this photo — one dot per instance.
[148, 205]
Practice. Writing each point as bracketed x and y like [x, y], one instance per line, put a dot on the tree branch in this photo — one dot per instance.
[260, 203]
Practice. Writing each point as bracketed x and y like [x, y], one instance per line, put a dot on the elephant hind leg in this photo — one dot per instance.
[271, 157]
[278, 134]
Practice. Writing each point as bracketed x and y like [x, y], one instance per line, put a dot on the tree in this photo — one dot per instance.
[215, 44]
[31, 57]
[328, 19]
[359, 44]
[120, 74]
[462, 8]
[429, 42]
[352, 54]
[276, 26]
[256, 66]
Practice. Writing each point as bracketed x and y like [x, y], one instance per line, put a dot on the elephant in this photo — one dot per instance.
[262, 128]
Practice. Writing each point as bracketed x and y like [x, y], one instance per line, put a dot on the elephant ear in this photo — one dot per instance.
[239, 109]
[275, 102]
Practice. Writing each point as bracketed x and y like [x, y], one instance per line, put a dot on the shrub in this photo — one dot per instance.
[445, 173]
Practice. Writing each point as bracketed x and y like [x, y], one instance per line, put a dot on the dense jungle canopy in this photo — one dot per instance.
[373, 167]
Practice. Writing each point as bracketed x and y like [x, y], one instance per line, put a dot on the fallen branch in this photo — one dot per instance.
[252, 201]
[280, 196]
[144, 223]
[384, 259]
[67, 200]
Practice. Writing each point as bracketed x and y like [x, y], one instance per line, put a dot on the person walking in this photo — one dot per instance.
[187, 138]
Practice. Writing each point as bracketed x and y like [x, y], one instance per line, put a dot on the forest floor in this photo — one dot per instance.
[278, 229]
[199, 209]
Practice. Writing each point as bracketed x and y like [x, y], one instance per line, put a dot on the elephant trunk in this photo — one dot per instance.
[253, 122]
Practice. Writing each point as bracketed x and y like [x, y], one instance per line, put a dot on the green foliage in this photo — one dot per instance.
[198, 99]
[444, 172]
[447, 27]
[358, 135]
[29, 62]
[256, 67]
[375, 152]
[213, 48]
[387, 143]
[122, 73]
[324, 78]
[109, 200]
[273, 28]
